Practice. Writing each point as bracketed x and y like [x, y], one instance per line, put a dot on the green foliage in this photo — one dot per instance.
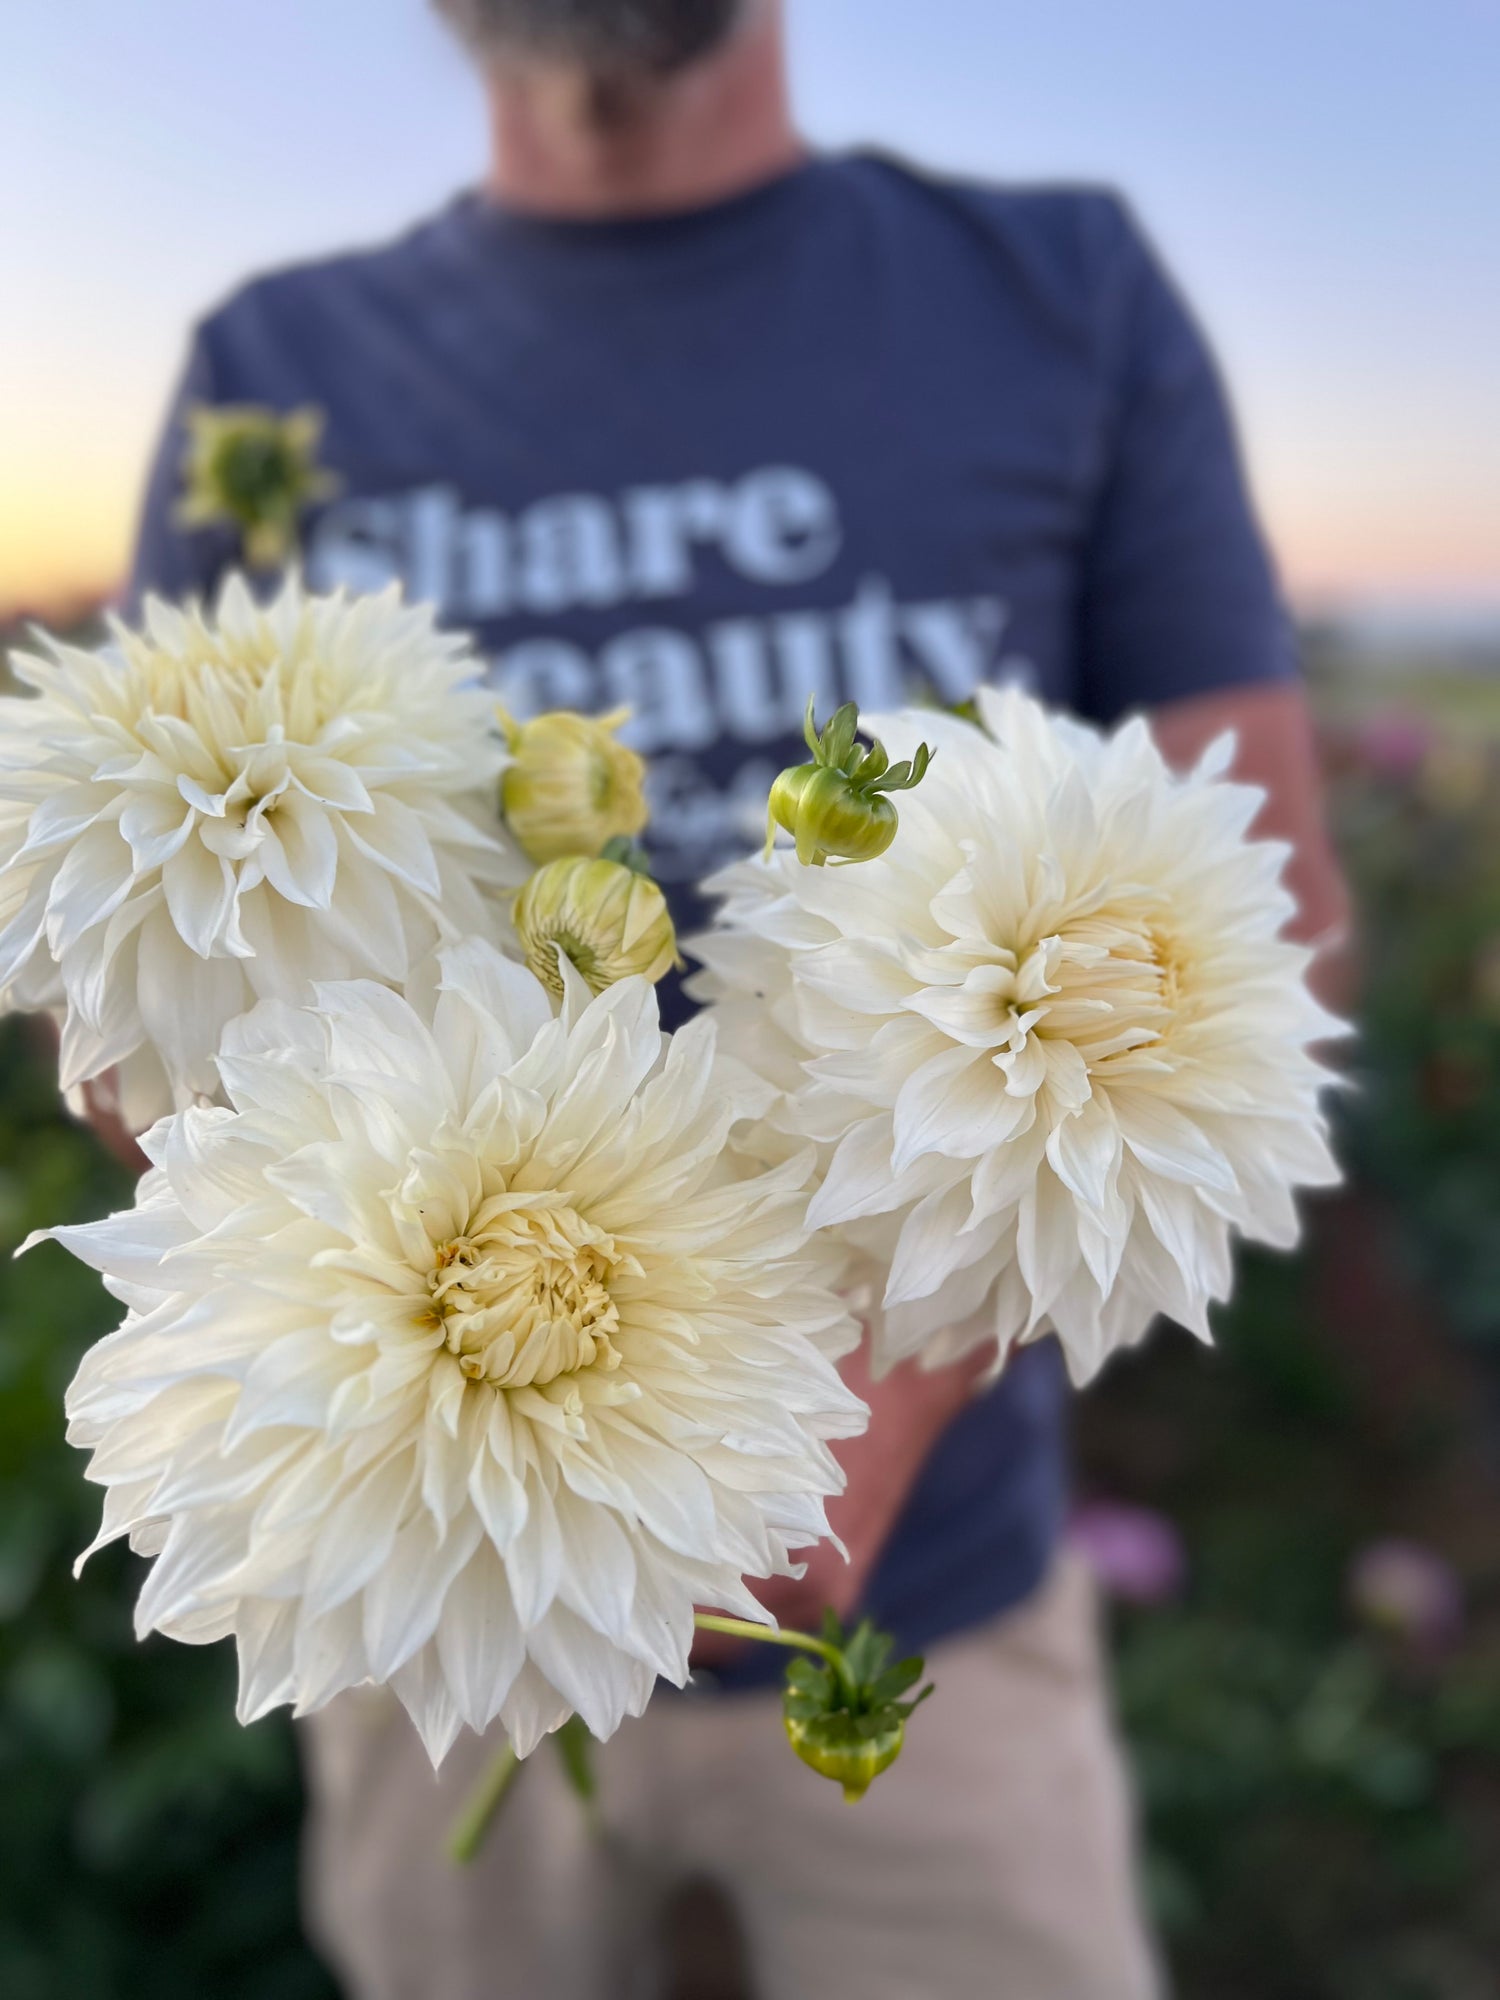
[147, 1842]
[1319, 1804]
[1322, 1804]
[1424, 852]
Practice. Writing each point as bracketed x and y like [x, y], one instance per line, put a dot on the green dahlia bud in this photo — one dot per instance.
[843, 1712]
[250, 467]
[834, 818]
[851, 1750]
[571, 788]
[836, 807]
[610, 920]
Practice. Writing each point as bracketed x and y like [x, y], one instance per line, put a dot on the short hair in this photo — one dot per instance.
[652, 36]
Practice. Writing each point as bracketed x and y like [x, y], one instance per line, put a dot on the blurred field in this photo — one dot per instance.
[1319, 1757]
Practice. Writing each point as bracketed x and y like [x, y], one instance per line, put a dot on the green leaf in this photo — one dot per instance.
[838, 737]
[628, 853]
[810, 727]
[867, 1653]
[871, 768]
[896, 1680]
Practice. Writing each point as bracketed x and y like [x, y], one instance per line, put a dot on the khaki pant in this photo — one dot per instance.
[993, 1859]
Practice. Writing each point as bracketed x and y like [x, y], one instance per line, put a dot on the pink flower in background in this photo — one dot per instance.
[1135, 1553]
[1395, 744]
[1408, 1590]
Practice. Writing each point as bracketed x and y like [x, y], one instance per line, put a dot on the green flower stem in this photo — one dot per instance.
[800, 1642]
[473, 1823]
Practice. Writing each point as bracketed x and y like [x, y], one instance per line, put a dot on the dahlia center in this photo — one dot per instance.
[523, 1295]
[1171, 964]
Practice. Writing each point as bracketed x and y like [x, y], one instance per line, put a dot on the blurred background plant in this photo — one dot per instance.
[1296, 1530]
[147, 1844]
[1314, 1705]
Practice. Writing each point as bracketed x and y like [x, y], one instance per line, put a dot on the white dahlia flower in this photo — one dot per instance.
[461, 1355]
[1051, 1042]
[221, 807]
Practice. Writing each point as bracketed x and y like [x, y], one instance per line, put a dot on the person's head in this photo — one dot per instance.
[614, 106]
[616, 39]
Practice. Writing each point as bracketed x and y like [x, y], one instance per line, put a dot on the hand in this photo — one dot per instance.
[909, 1409]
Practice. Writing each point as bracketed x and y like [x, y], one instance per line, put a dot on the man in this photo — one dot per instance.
[673, 413]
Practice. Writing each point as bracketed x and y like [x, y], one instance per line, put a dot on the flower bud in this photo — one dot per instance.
[830, 818]
[786, 796]
[607, 919]
[570, 787]
[837, 806]
[852, 1750]
[252, 468]
[843, 1711]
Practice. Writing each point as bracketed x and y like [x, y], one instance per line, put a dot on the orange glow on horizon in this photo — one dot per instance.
[66, 528]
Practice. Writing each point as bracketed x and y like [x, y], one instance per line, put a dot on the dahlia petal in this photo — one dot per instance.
[598, 1571]
[265, 1632]
[63, 816]
[531, 1710]
[199, 890]
[930, 1246]
[357, 1536]
[393, 835]
[499, 1499]
[1046, 1242]
[674, 1499]
[327, 1656]
[1083, 1150]
[299, 852]
[23, 933]
[1168, 1142]
[480, 1644]
[403, 1600]
[598, 1682]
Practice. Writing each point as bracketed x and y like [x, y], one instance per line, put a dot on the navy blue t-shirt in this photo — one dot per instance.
[858, 432]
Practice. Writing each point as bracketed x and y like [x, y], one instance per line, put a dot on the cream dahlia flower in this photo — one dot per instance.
[1052, 1043]
[461, 1356]
[219, 808]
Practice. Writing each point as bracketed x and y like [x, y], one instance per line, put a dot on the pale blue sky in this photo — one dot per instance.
[1324, 175]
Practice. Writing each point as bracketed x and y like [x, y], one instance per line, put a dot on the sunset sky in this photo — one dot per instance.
[1322, 174]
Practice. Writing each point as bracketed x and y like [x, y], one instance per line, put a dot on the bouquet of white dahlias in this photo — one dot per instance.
[223, 806]
[478, 1333]
[1050, 1041]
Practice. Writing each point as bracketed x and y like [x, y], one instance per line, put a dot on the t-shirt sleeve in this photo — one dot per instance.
[172, 561]
[1178, 594]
